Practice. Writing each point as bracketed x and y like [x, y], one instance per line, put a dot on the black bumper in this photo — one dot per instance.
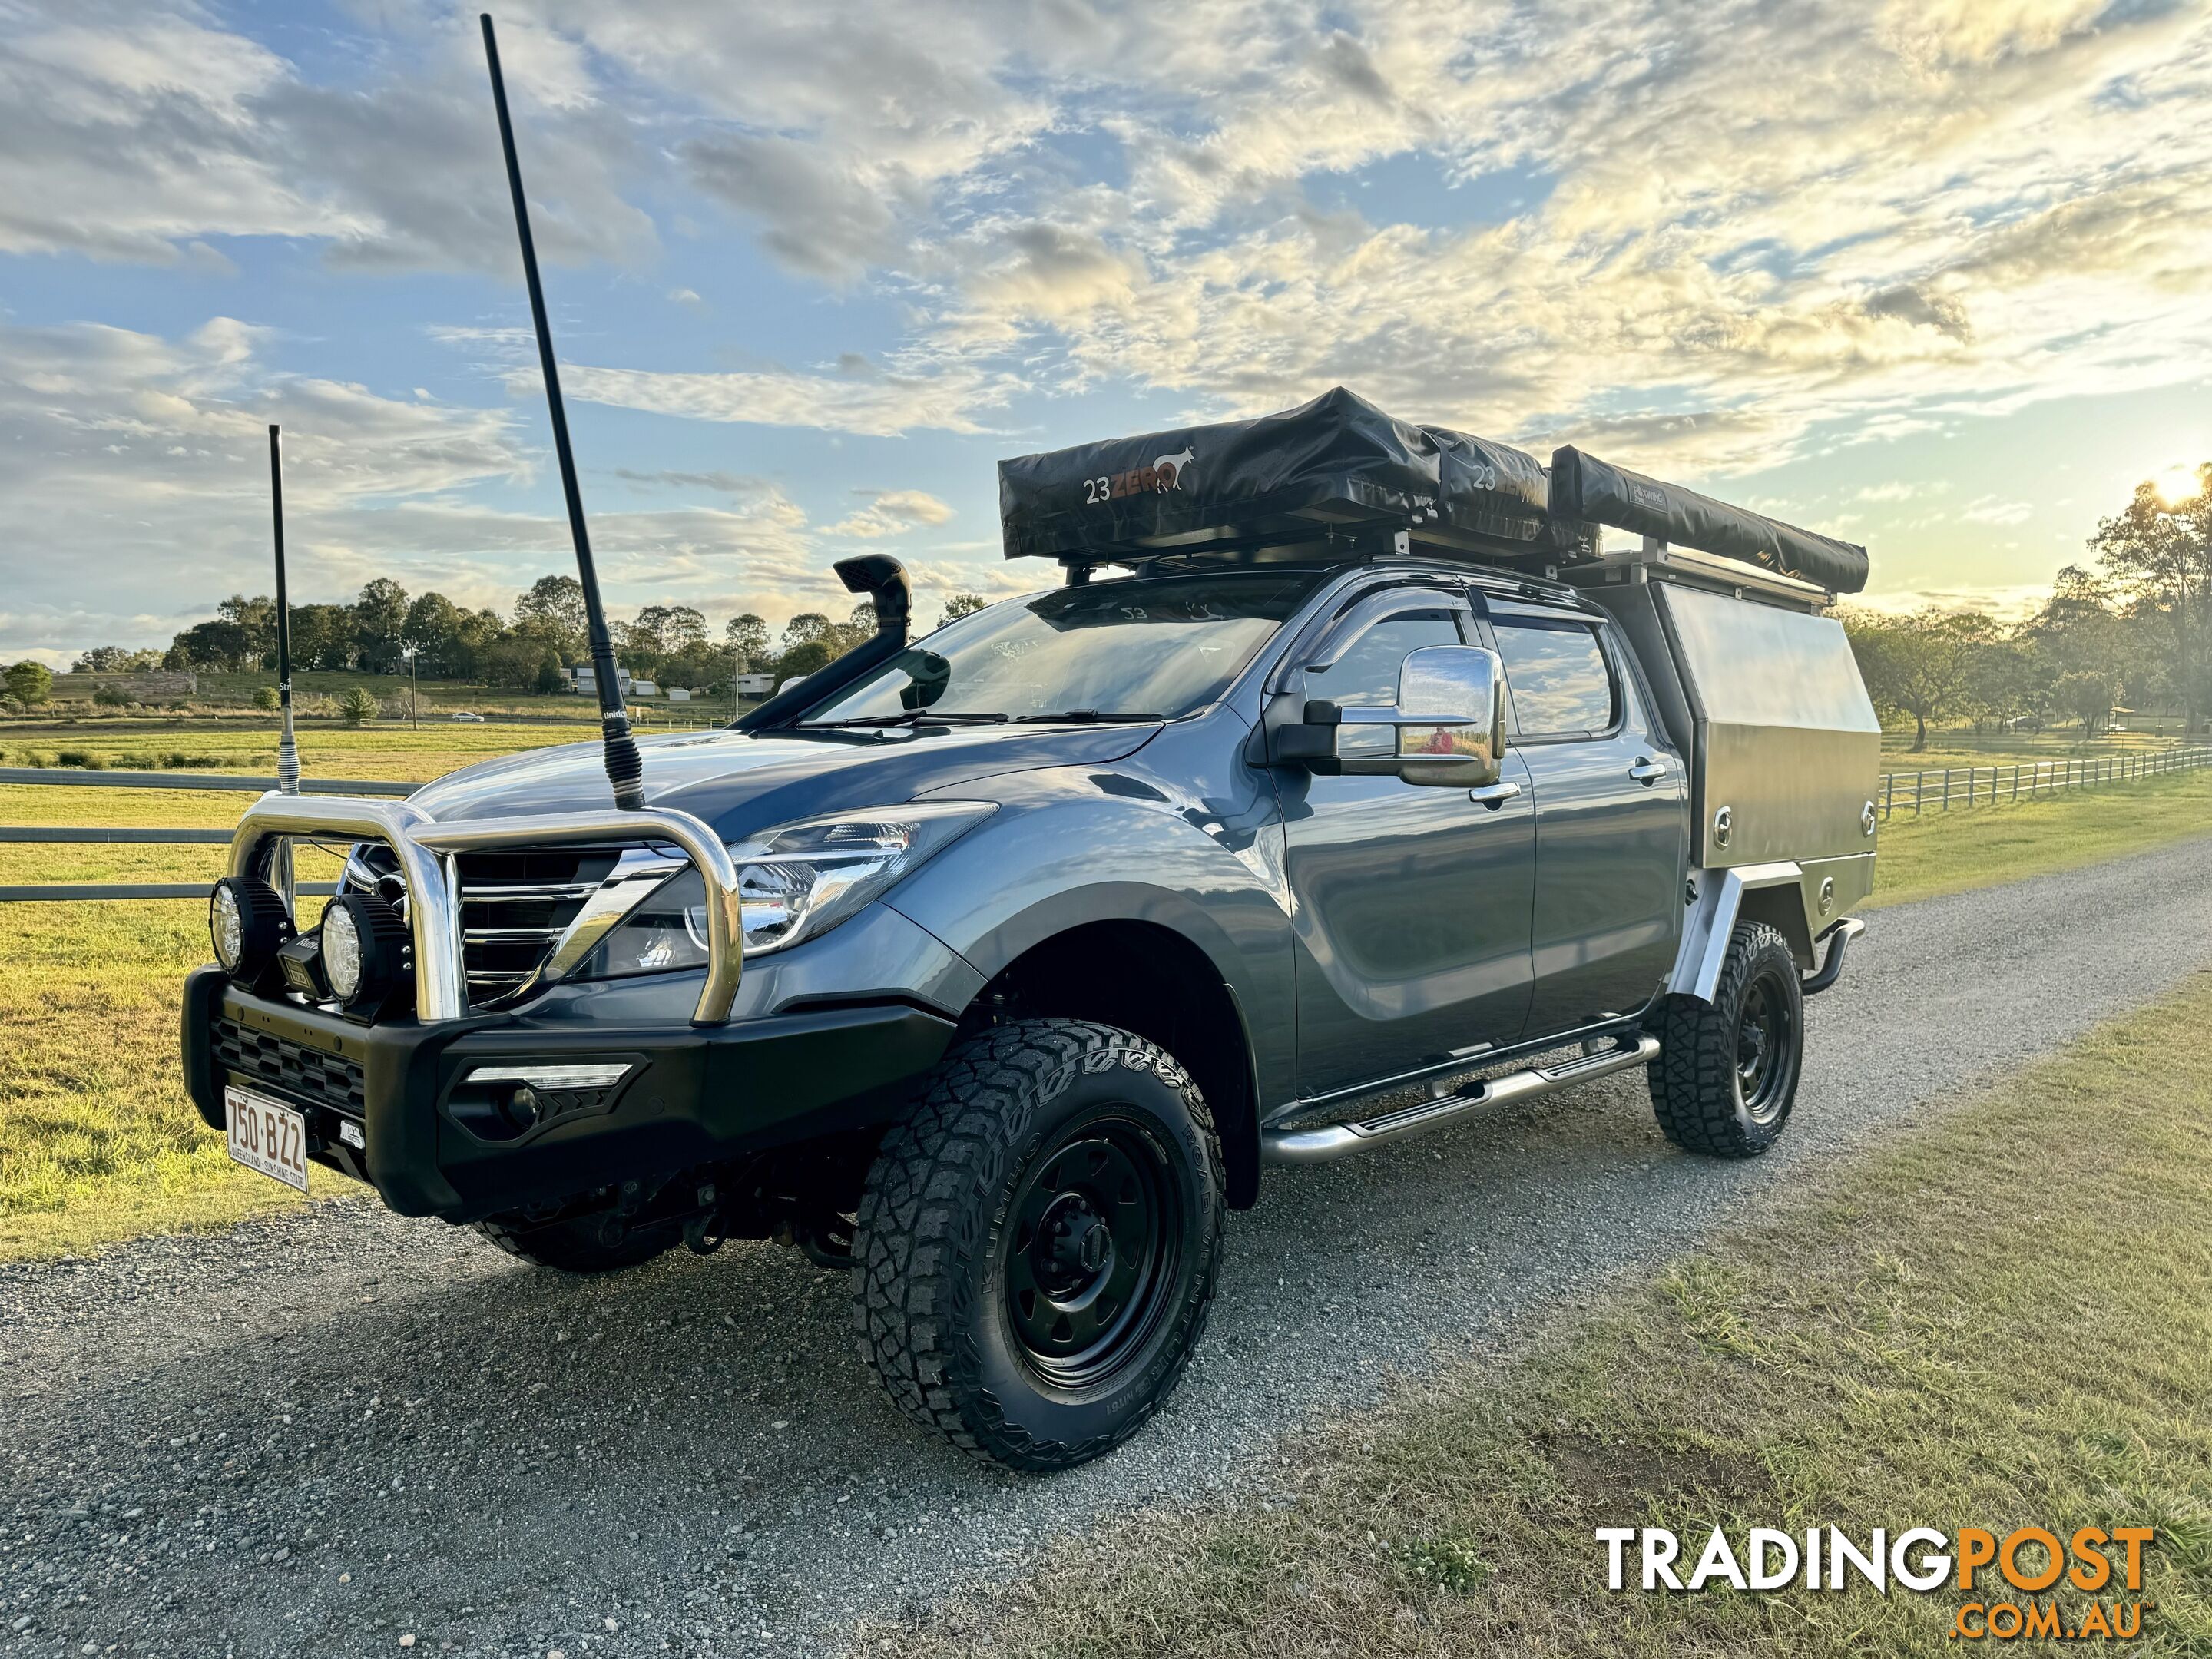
[691, 1097]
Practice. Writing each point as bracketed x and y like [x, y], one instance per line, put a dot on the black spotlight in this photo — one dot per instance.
[366, 951]
[249, 924]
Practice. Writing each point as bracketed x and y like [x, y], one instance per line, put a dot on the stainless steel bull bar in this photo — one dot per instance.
[428, 852]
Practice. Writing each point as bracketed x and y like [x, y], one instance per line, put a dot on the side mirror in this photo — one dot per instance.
[1468, 683]
[1450, 722]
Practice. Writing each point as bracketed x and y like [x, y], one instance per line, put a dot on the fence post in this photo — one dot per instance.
[1919, 788]
[1946, 788]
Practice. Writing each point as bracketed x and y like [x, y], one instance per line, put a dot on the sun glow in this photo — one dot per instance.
[2175, 485]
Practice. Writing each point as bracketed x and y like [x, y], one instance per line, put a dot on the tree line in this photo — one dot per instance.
[2133, 630]
[530, 648]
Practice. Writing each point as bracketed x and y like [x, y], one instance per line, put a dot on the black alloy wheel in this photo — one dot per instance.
[1038, 1242]
[1766, 1046]
[1096, 1236]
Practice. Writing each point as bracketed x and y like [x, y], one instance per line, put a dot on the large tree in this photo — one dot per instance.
[379, 620]
[746, 639]
[552, 611]
[221, 647]
[448, 642]
[322, 637]
[29, 683]
[2159, 555]
[258, 617]
[1922, 665]
[959, 605]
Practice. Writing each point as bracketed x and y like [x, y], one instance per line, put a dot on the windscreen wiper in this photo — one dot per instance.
[915, 717]
[1088, 717]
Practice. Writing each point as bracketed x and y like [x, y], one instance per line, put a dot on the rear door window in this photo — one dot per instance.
[1556, 669]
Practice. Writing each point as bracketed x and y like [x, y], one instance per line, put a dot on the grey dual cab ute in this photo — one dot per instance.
[995, 967]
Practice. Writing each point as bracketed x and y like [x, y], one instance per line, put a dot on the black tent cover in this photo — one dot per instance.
[1339, 460]
[1597, 492]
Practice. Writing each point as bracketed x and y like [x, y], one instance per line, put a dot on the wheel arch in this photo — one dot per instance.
[1147, 977]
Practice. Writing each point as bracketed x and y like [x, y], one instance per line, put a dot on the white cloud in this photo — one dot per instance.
[891, 513]
[134, 131]
[877, 404]
[1995, 509]
[135, 472]
[1705, 240]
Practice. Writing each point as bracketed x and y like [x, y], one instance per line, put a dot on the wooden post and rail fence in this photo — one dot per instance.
[1899, 794]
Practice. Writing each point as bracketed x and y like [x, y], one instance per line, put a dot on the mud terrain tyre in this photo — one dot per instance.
[1038, 1243]
[1727, 1073]
[577, 1245]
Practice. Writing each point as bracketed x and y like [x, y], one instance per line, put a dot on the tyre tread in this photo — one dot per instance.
[1693, 1082]
[927, 1199]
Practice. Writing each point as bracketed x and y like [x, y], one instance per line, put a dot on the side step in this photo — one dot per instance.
[1334, 1140]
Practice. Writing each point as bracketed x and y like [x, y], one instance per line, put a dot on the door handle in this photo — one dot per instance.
[1494, 795]
[1647, 771]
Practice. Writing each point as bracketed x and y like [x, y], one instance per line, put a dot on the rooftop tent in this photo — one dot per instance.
[1594, 492]
[1339, 464]
[1338, 460]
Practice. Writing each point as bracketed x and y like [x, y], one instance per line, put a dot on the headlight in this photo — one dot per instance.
[367, 949]
[796, 881]
[247, 923]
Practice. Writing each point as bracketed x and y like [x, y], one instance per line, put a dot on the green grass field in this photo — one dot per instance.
[231, 697]
[380, 750]
[97, 1141]
[1997, 1320]
[1956, 852]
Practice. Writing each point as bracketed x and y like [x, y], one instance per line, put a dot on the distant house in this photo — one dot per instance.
[755, 685]
[678, 693]
[585, 682]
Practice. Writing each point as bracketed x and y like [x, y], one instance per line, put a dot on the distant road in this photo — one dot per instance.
[210, 1436]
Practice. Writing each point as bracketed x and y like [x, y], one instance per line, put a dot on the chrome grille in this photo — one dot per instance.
[515, 906]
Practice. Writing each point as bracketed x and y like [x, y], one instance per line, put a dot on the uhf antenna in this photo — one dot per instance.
[625, 770]
[287, 747]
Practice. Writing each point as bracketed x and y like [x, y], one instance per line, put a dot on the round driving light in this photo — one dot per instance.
[248, 924]
[342, 951]
[366, 949]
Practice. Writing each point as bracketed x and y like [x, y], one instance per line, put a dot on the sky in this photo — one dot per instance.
[1931, 274]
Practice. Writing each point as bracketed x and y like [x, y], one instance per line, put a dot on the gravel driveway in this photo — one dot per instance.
[343, 1433]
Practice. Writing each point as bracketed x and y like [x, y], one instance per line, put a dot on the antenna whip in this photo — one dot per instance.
[625, 769]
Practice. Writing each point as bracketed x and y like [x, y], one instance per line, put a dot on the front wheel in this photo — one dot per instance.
[1038, 1243]
[1726, 1077]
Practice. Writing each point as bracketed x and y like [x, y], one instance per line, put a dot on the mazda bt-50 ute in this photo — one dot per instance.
[1342, 765]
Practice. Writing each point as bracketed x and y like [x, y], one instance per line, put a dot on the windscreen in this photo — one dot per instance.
[1145, 649]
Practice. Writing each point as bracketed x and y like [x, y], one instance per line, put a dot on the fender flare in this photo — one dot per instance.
[1721, 896]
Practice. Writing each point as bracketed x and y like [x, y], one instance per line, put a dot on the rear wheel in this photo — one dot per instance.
[1038, 1243]
[594, 1243]
[1726, 1077]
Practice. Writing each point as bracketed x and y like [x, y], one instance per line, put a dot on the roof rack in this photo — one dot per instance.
[1657, 560]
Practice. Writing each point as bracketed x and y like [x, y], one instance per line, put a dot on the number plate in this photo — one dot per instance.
[267, 1136]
